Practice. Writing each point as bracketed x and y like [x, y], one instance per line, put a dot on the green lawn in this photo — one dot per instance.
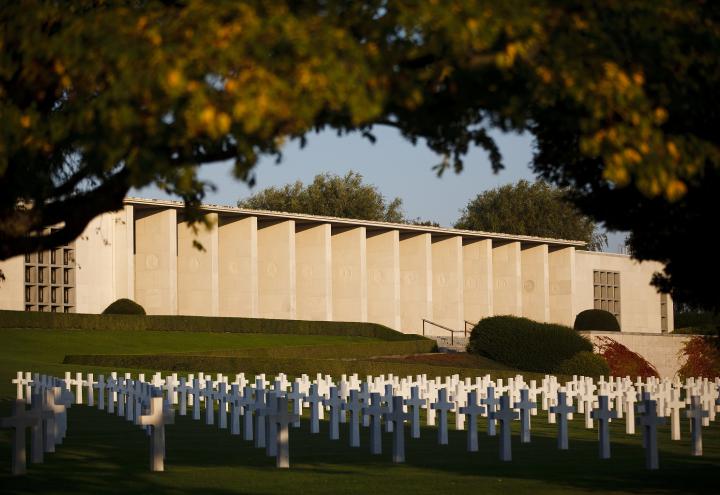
[105, 454]
[44, 350]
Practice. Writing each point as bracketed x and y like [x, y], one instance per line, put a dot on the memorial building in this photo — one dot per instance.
[266, 264]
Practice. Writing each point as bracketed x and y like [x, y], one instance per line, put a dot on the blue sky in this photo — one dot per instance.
[392, 164]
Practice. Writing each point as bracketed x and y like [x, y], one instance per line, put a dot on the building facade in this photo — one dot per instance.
[279, 265]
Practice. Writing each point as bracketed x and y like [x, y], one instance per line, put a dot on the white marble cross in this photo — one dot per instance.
[196, 393]
[314, 399]
[524, 405]
[264, 414]
[53, 410]
[375, 411]
[297, 401]
[472, 410]
[335, 403]
[248, 405]
[695, 413]
[235, 401]
[20, 420]
[603, 415]
[209, 394]
[100, 385]
[415, 403]
[354, 405]
[442, 405]
[398, 417]
[157, 419]
[182, 390]
[259, 407]
[650, 421]
[490, 403]
[505, 415]
[282, 420]
[221, 396]
[562, 410]
[673, 406]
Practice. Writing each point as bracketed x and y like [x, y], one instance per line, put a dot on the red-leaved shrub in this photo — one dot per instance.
[623, 361]
[702, 358]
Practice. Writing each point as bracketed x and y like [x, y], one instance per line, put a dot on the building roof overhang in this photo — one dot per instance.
[370, 225]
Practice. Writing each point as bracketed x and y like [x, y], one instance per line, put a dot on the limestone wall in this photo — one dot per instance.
[280, 265]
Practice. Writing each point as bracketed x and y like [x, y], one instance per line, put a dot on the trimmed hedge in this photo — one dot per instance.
[273, 366]
[124, 307]
[329, 351]
[596, 319]
[586, 364]
[79, 321]
[525, 344]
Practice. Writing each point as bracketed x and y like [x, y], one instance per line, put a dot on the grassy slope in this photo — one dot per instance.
[44, 350]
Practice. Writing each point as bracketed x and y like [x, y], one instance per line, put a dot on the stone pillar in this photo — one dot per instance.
[198, 284]
[561, 263]
[478, 277]
[415, 281]
[447, 282]
[276, 269]
[238, 277]
[535, 283]
[349, 274]
[383, 267]
[156, 261]
[313, 256]
[507, 298]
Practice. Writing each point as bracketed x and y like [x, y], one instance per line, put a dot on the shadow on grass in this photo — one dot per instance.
[106, 454]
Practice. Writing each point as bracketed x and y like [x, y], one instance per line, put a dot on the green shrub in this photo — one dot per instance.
[124, 307]
[586, 364]
[596, 319]
[79, 321]
[696, 319]
[525, 344]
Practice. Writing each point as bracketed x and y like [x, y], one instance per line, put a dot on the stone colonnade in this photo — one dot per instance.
[304, 268]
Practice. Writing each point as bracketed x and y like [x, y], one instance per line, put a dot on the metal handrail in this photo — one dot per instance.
[452, 331]
[472, 325]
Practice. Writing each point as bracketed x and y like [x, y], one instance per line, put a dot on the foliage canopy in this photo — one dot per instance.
[328, 195]
[530, 209]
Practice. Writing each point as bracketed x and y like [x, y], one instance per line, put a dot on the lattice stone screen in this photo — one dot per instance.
[50, 280]
[606, 291]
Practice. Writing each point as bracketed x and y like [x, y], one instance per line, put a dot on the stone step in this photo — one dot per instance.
[458, 343]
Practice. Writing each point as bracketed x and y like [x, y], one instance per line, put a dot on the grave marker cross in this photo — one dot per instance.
[157, 419]
[603, 415]
[525, 406]
[375, 411]
[505, 415]
[650, 421]
[695, 413]
[562, 411]
[490, 403]
[443, 406]
[472, 410]
[20, 420]
[398, 416]
[282, 420]
[335, 403]
[354, 405]
[314, 399]
[415, 403]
